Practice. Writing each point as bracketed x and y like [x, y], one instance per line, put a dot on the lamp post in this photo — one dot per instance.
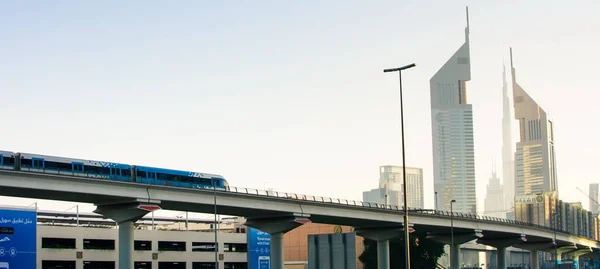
[406, 234]
[436, 205]
[451, 231]
[555, 215]
[214, 183]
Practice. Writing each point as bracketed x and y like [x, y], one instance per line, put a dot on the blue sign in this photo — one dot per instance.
[18, 238]
[259, 249]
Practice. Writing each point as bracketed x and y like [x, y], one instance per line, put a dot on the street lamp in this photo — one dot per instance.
[451, 231]
[406, 234]
[555, 215]
[214, 185]
[436, 206]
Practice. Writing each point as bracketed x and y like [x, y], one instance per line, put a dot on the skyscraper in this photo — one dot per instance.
[494, 198]
[452, 132]
[390, 189]
[508, 163]
[594, 198]
[535, 163]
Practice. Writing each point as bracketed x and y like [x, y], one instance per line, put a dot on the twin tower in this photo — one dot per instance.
[531, 169]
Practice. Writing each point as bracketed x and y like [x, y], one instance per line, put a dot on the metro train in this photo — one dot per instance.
[19, 161]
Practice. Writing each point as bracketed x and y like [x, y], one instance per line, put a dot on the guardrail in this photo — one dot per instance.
[418, 211]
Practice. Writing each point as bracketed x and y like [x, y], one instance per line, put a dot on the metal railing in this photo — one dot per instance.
[399, 209]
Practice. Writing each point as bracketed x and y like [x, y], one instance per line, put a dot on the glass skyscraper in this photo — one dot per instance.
[535, 163]
[452, 132]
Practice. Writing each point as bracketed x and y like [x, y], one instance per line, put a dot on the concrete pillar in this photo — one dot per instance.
[277, 250]
[383, 254]
[501, 258]
[126, 213]
[125, 245]
[454, 255]
[533, 257]
[276, 227]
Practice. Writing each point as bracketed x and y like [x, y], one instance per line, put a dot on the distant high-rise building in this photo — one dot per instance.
[508, 163]
[390, 189]
[535, 163]
[452, 133]
[494, 198]
[594, 198]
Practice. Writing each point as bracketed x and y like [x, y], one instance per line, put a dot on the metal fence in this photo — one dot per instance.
[414, 211]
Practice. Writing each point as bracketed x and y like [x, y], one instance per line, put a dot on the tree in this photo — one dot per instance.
[424, 253]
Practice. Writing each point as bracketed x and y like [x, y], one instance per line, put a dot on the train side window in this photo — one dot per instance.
[38, 163]
[77, 167]
[126, 173]
[1, 160]
[152, 175]
[141, 174]
[115, 171]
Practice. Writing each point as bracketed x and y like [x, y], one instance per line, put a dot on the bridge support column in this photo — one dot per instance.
[459, 238]
[125, 244]
[126, 213]
[534, 259]
[501, 258]
[276, 227]
[501, 243]
[455, 256]
[382, 235]
[577, 253]
[383, 254]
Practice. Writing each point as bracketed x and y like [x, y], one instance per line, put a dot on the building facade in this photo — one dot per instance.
[594, 198]
[535, 163]
[72, 247]
[494, 198]
[452, 133]
[390, 190]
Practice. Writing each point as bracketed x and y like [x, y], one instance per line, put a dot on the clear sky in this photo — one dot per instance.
[287, 95]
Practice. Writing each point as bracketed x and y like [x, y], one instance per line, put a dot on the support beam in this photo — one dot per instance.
[577, 253]
[126, 213]
[501, 258]
[383, 254]
[125, 244]
[455, 255]
[533, 258]
[276, 227]
[382, 235]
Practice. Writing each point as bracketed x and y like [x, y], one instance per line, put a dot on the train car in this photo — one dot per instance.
[7, 160]
[73, 167]
[160, 176]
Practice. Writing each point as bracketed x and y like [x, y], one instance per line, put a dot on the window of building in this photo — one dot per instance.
[171, 246]
[61, 243]
[235, 247]
[104, 244]
[203, 265]
[203, 247]
[141, 245]
[58, 264]
[98, 265]
[171, 265]
[142, 265]
[236, 265]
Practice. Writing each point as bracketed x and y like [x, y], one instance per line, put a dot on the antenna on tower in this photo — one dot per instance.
[467, 19]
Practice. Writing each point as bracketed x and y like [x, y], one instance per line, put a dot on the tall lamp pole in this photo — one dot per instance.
[555, 243]
[451, 231]
[406, 234]
[215, 228]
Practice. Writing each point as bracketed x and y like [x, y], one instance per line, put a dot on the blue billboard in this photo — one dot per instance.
[259, 249]
[17, 238]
